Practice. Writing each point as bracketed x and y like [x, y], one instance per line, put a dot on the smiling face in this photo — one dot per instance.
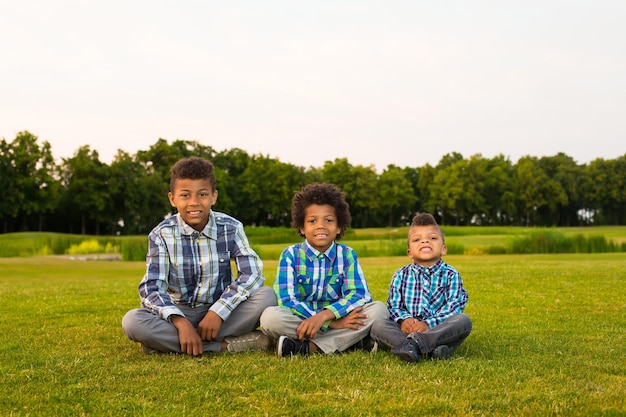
[320, 226]
[426, 245]
[193, 199]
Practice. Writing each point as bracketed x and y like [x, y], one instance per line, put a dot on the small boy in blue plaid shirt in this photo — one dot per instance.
[426, 300]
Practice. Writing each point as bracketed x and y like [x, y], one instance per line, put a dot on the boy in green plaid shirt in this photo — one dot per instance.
[324, 304]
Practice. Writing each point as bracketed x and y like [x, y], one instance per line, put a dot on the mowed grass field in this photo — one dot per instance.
[549, 338]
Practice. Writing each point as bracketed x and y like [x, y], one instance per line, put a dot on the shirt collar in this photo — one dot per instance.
[430, 270]
[209, 230]
[312, 253]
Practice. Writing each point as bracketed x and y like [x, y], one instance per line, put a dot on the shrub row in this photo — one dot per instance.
[269, 246]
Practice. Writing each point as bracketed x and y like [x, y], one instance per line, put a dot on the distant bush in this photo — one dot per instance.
[270, 242]
[495, 250]
[377, 248]
[478, 230]
[475, 252]
[552, 241]
[134, 248]
[32, 243]
[270, 235]
[44, 251]
[92, 246]
[453, 248]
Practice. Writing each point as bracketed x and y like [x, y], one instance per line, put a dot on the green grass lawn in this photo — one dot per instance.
[548, 339]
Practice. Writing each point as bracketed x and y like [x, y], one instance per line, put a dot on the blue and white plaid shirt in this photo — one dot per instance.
[428, 294]
[184, 266]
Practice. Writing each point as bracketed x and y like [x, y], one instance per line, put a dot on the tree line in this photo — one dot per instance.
[83, 195]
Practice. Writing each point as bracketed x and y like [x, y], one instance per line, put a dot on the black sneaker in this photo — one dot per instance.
[367, 344]
[442, 352]
[408, 351]
[291, 347]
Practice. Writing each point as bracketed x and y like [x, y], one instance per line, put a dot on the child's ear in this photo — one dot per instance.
[171, 197]
[444, 250]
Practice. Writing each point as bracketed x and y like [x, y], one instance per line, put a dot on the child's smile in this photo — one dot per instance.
[320, 226]
[193, 199]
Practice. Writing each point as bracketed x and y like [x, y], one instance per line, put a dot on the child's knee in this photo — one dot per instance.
[378, 325]
[467, 322]
[377, 311]
[269, 316]
[266, 297]
[130, 323]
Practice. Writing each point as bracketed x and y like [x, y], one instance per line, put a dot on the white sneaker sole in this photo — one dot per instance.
[279, 346]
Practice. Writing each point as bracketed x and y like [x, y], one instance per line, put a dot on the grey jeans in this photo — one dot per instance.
[141, 325]
[451, 332]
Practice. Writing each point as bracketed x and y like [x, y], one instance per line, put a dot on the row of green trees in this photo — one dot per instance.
[81, 194]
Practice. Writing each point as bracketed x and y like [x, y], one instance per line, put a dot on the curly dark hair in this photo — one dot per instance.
[320, 193]
[192, 168]
[425, 219]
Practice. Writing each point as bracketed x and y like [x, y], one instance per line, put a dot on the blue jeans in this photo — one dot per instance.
[451, 332]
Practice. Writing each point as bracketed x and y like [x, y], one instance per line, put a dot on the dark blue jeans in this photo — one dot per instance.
[451, 332]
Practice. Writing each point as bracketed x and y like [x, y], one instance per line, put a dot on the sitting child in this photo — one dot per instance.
[426, 300]
[191, 303]
[324, 304]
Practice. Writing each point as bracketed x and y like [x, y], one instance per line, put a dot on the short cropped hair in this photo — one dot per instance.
[320, 193]
[425, 219]
[192, 168]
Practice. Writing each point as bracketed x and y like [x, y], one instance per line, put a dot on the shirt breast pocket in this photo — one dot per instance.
[305, 287]
[333, 289]
[223, 264]
[183, 272]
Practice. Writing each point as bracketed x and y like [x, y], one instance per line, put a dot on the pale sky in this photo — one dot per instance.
[399, 82]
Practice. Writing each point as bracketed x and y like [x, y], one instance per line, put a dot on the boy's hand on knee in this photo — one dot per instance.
[309, 327]
[209, 326]
[412, 325]
[353, 320]
[190, 342]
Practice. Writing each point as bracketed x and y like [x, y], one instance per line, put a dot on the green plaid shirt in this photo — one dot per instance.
[308, 281]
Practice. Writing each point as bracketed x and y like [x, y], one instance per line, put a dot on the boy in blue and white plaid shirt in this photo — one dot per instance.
[426, 300]
[191, 303]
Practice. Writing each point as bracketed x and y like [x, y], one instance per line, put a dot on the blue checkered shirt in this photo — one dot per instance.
[430, 294]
